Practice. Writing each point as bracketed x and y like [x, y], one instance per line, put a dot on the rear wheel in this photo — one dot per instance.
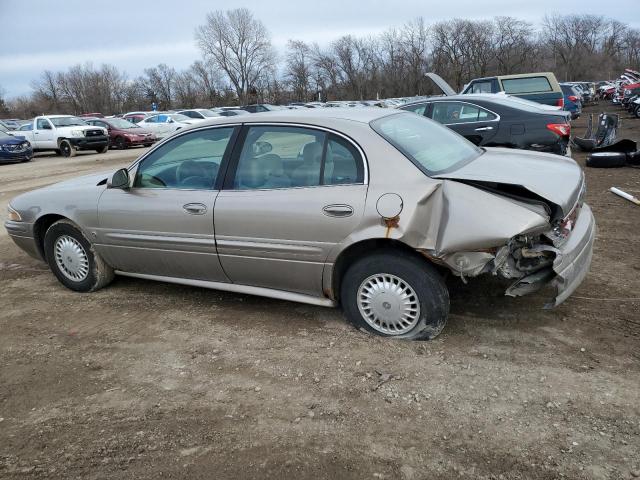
[395, 295]
[121, 143]
[66, 149]
[73, 260]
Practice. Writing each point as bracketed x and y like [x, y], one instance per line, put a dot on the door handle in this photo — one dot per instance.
[195, 208]
[482, 129]
[338, 210]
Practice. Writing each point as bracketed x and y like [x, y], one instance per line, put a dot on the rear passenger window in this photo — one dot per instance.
[419, 109]
[287, 157]
[457, 112]
[526, 85]
[343, 163]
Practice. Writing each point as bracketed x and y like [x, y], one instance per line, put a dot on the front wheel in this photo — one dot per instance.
[395, 295]
[73, 260]
[103, 149]
[66, 149]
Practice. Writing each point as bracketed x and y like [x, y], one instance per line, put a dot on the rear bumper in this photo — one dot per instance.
[574, 260]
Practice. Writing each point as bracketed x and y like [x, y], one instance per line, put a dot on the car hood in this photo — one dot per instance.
[552, 178]
[11, 139]
[84, 181]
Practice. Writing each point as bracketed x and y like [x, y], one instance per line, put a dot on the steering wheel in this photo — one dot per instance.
[190, 171]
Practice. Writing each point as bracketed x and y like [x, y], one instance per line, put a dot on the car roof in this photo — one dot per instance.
[361, 115]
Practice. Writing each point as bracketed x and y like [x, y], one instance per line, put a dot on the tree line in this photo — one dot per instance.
[239, 64]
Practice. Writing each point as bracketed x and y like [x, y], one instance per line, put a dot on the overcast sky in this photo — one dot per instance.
[54, 34]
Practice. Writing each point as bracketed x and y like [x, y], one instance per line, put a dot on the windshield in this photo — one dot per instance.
[67, 121]
[3, 130]
[430, 146]
[121, 124]
[178, 117]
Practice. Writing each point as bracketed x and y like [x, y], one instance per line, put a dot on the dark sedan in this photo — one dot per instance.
[500, 121]
[14, 149]
[123, 133]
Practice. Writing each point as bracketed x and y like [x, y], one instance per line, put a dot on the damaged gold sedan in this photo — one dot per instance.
[365, 208]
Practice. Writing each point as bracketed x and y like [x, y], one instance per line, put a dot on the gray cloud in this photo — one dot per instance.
[45, 34]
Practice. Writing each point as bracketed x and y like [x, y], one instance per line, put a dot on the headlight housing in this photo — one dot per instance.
[77, 133]
[15, 148]
[13, 215]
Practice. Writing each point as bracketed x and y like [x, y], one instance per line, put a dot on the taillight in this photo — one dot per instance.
[562, 129]
[573, 98]
[560, 102]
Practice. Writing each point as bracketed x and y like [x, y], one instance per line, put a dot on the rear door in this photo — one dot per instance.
[475, 123]
[291, 194]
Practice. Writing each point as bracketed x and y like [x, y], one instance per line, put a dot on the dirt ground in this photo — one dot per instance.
[148, 380]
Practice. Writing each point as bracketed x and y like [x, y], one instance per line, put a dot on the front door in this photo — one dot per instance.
[163, 225]
[44, 134]
[291, 195]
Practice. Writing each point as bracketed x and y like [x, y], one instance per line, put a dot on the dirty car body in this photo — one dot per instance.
[362, 207]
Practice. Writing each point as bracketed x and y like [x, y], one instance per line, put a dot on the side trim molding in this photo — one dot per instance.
[233, 287]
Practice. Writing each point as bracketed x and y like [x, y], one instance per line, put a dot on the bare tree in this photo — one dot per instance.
[513, 44]
[239, 45]
[298, 69]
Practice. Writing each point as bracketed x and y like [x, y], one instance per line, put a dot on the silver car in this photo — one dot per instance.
[366, 208]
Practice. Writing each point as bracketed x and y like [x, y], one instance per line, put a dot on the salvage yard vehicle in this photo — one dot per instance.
[500, 120]
[542, 87]
[124, 134]
[14, 148]
[362, 207]
[199, 113]
[572, 100]
[64, 134]
[164, 124]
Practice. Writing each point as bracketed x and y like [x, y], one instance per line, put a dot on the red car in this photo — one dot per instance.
[124, 134]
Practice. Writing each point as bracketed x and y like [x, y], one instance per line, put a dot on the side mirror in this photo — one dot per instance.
[46, 126]
[120, 179]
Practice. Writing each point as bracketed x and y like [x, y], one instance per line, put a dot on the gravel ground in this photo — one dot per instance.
[147, 380]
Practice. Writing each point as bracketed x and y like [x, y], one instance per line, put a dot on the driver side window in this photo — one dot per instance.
[189, 162]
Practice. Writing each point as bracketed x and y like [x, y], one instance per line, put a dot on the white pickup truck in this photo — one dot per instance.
[64, 134]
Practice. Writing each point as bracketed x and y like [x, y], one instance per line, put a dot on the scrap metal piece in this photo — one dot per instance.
[604, 136]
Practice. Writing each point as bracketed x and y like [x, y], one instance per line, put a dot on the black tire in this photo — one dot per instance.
[98, 275]
[66, 149]
[121, 143]
[427, 284]
[636, 111]
[633, 159]
[148, 144]
[606, 160]
[103, 149]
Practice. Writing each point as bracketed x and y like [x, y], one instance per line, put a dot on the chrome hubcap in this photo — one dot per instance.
[71, 258]
[388, 304]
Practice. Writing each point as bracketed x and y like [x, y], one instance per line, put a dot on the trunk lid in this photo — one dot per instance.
[554, 178]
